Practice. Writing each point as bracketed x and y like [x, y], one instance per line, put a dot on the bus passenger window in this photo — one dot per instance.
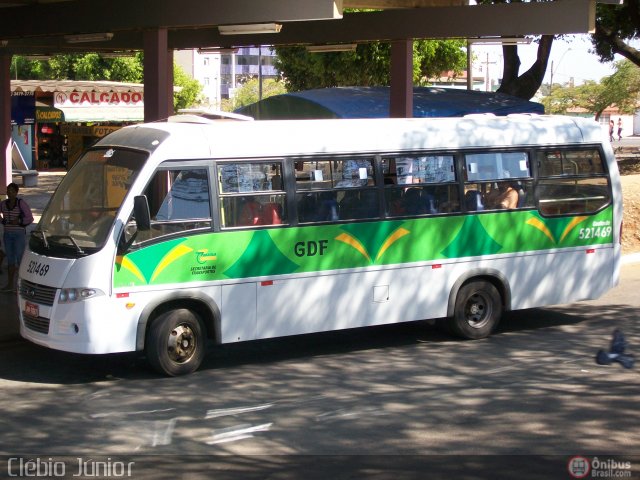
[572, 181]
[425, 185]
[178, 201]
[251, 194]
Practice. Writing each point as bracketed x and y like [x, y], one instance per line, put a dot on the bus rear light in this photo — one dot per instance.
[122, 295]
[436, 266]
[267, 283]
[591, 250]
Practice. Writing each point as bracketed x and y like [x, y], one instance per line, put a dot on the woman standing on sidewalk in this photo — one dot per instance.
[16, 216]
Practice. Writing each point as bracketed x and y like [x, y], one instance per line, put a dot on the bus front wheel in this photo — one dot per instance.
[176, 342]
[477, 311]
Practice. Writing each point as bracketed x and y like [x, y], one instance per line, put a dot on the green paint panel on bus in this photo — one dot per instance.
[303, 249]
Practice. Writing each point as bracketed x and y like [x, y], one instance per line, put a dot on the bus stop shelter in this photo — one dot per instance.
[158, 27]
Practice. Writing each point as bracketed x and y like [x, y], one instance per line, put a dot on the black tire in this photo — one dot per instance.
[477, 311]
[176, 342]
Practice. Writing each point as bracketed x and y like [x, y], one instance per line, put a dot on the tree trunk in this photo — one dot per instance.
[617, 44]
[526, 85]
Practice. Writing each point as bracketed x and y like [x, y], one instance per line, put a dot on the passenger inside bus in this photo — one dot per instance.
[505, 196]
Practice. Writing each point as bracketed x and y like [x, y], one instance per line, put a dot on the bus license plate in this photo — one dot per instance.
[31, 309]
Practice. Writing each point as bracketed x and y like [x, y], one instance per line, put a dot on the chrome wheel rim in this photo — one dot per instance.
[182, 343]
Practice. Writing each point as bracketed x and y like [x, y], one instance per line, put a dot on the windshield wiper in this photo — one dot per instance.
[75, 244]
[44, 237]
[55, 238]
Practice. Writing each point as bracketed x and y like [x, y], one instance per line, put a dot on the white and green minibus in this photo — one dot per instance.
[168, 235]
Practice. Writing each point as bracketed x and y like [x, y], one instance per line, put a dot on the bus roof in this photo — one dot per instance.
[307, 137]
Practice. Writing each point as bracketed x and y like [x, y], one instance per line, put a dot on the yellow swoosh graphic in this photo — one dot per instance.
[132, 267]
[534, 222]
[573, 223]
[349, 240]
[399, 233]
[169, 258]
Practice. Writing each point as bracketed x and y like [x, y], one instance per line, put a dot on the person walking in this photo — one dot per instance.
[619, 129]
[16, 216]
[611, 127]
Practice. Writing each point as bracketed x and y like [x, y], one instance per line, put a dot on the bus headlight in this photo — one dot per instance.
[70, 295]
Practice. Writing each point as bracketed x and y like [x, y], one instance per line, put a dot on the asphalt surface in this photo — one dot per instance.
[400, 401]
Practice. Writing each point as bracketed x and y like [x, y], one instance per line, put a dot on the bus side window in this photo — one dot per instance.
[572, 181]
[251, 194]
[178, 201]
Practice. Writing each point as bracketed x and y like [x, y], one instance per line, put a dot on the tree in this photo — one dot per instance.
[368, 65]
[190, 92]
[526, 85]
[616, 25]
[248, 93]
[89, 66]
[621, 89]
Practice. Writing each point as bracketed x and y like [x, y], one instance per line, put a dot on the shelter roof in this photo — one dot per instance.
[373, 102]
[73, 85]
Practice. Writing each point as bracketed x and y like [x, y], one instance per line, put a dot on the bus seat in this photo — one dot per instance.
[369, 207]
[412, 203]
[522, 196]
[473, 201]
[429, 203]
[272, 214]
[328, 210]
[349, 205]
[250, 213]
[307, 208]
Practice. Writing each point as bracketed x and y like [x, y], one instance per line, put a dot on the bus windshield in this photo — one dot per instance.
[82, 211]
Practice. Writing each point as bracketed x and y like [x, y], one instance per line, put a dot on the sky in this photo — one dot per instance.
[570, 55]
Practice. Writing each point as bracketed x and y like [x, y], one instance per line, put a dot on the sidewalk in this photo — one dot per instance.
[37, 198]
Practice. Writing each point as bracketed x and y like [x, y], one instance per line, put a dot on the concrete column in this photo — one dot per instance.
[401, 97]
[158, 75]
[5, 122]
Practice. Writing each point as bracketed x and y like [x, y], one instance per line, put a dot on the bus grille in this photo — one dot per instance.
[38, 324]
[37, 293]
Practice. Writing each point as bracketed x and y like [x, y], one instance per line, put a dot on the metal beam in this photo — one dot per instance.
[81, 16]
[401, 94]
[556, 17]
[158, 65]
[385, 4]
[5, 119]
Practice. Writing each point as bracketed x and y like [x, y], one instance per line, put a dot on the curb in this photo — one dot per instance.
[631, 258]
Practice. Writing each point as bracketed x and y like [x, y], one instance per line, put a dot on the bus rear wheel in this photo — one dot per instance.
[176, 342]
[477, 311]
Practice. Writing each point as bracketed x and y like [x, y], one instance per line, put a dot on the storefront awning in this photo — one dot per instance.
[103, 114]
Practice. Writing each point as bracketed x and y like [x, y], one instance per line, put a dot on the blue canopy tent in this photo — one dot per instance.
[373, 102]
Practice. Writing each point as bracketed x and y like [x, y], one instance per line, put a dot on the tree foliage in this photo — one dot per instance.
[616, 26]
[368, 65]
[190, 92]
[621, 89]
[249, 93]
[89, 66]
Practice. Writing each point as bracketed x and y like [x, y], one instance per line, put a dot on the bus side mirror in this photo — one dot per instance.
[141, 212]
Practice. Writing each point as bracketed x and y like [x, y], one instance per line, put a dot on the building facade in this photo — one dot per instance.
[222, 71]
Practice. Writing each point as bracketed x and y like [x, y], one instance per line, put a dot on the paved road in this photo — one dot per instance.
[533, 388]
